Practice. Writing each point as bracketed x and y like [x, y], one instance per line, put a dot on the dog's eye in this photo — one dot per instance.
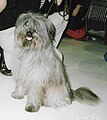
[35, 30]
[26, 24]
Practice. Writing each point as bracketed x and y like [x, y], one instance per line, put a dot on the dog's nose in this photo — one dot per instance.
[29, 33]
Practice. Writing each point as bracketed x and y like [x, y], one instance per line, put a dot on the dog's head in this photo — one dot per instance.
[33, 31]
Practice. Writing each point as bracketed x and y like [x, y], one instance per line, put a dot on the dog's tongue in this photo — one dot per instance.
[29, 38]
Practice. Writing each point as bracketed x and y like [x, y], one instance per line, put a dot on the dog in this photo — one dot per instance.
[37, 69]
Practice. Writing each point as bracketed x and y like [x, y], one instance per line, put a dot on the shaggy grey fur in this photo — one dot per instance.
[38, 70]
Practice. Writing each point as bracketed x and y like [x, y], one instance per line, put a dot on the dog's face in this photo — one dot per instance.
[34, 31]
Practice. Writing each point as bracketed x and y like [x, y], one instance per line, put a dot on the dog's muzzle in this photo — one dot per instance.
[29, 35]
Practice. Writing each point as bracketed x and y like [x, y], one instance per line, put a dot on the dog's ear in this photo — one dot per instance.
[51, 29]
[22, 17]
[19, 19]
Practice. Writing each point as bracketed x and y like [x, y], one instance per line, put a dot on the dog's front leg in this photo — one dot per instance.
[19, 90]
[33, 100]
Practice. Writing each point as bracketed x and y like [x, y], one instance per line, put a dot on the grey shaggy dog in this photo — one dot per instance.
[38, 70]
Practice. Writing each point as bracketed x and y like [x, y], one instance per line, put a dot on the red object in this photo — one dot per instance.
[76, 34]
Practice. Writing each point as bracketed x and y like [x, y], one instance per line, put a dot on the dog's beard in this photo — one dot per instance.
[29, 42]
[33, 32]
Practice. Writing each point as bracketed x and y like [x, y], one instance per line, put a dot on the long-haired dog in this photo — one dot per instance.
[38, 70]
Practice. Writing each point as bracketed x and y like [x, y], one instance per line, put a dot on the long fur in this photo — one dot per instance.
[38, 70]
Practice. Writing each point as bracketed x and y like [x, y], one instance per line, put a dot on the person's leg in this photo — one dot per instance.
[60, 25]
[6, 42]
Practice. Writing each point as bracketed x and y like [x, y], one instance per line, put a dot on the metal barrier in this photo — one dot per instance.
[96, 20]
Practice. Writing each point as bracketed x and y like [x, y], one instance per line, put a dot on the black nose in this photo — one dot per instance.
[29, 33]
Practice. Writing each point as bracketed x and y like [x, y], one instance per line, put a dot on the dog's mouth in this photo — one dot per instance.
[29, 38]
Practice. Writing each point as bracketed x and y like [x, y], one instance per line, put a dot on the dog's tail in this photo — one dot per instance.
[85, 95]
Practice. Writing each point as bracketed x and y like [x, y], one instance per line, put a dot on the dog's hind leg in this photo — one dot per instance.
[57, 96]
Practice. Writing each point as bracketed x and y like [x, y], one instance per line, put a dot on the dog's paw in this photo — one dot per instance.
[16, 95]
[32, 108]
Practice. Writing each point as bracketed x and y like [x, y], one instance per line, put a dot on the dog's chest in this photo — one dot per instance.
[32, 63]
